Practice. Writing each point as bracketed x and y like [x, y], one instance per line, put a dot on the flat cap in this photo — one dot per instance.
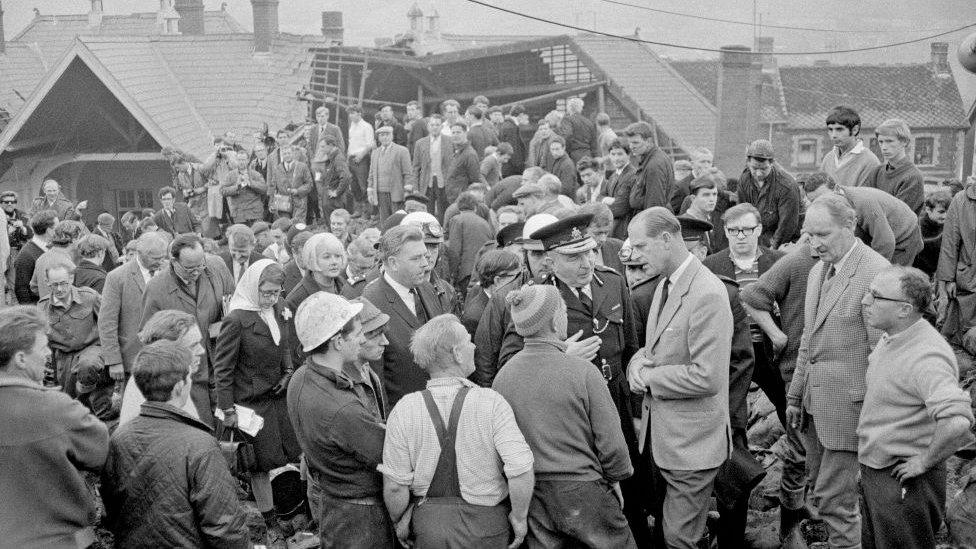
[760, 148]
[509, 234]
[371, 317]
[529, 189]
[567, 236]
[417, 198]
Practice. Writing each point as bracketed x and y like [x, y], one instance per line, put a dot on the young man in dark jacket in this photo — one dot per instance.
[166, 483]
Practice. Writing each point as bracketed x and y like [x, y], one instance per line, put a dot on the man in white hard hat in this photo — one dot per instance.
[339, 428]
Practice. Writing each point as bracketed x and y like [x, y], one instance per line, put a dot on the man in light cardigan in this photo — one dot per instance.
[915, 415]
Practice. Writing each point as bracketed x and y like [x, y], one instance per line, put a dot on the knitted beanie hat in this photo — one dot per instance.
[533, 307]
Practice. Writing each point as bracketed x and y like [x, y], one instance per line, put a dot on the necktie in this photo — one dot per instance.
[418, 306]
[831, 272]
[664, 297]
[240, 271]
[585, 299]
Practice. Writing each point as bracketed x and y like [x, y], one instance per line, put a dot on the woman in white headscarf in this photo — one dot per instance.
[252, 367]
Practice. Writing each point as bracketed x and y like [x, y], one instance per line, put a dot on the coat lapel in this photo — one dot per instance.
[397, 304]
[571, 298]
[838, 284]
[675, 296]
[136, 273]
[257, 325]
[599, 292]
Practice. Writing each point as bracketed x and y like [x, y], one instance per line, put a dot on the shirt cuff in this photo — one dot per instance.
[401, 478]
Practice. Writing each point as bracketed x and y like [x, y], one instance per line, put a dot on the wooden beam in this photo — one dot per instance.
[426, 78]
[552, 96]
[601, 99]
[30, 143]
[472, 54]
[343, 100]
[531, 90]
[116, 124]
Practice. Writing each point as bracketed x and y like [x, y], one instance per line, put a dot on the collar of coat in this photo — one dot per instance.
[162, 410]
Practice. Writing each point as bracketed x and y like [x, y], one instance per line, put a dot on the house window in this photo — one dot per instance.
[134, 199]
[924, 151]
[806, 153]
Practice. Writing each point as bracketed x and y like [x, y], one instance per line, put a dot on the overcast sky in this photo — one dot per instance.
[366, 20]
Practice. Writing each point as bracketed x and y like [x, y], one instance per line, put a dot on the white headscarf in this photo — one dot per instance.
[246, 297]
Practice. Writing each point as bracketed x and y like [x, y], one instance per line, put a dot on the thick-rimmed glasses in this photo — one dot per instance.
[873, 295]
[744, 231]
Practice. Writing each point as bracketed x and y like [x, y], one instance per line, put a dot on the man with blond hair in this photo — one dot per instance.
[897, 174]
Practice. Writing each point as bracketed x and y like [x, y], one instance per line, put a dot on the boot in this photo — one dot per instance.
[790, 535]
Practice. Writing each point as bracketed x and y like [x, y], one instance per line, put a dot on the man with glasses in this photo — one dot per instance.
[195, 283]
[827, 392]
[773, 192]
[18, 224]
[73, 316]
[915, 415]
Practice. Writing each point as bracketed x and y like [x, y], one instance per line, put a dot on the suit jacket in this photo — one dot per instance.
[182, 221]
[687, 401]
[833, 356]
[401, 171]
[468, 233]
[247, 362]
[298, 177]
[246, 203]
[653, 181]
[313, 141]
[120, 315]
[421, 161]
[464, 168]
[229, 261]
[400, 373]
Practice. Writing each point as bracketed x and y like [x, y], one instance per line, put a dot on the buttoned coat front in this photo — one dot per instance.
[687, 398]
[120, 316]
[833, 356]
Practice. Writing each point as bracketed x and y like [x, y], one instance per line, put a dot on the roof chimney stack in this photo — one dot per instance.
[191, 16]
[739, 81]
[167, 19]
[3, 40]
[265, 23]
[95, 15]
[434, 23]
[332, 27]
[940, 59]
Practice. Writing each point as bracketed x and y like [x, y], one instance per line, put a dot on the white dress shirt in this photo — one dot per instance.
[361, 137]
[403, 292]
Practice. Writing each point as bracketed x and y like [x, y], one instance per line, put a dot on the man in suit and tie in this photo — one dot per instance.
[828, 387]
[404, 293]
[175, 217]
[120, 315]
[683, 371]
[431, 160]
[316, 137]
[240, 252]
[390, 174]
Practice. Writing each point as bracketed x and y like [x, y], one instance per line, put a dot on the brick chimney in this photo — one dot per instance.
[332, 27]
[940, 59]
[265, 23]
[3, 39]
[764, 47]
[95, 15]
[739, 82]
[191, 16]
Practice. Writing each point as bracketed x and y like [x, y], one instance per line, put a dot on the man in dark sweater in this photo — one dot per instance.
[92, 250]
[563, 407]
[773, 192]
[897, 175]
[42, 223]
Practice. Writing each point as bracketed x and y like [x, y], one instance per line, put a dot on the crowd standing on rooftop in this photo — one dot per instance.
[464, 330]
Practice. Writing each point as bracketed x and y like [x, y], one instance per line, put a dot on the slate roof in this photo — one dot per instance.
[678, 107]
[877, 92]
[188, 89]
[21, 69]
[52, 34]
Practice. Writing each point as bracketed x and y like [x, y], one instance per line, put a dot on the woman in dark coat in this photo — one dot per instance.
[252, 368]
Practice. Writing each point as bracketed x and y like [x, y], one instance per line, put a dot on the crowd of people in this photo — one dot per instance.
[463, 330]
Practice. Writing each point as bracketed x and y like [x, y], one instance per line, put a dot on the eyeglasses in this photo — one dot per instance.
[744, 231]
[8, 201]
[874, 295]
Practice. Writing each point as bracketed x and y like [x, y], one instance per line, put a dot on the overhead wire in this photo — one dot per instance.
[716, 50]
[765, 25]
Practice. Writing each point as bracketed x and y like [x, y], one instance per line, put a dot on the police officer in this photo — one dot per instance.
[597, 306]
[433, 238]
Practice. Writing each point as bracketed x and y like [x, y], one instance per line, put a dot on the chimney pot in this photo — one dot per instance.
[764, 47]
[95, 15]
[739, 81]
[265, 23]
[191, 16]
[332, 26]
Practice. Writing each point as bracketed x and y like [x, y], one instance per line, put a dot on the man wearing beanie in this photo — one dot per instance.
[565, 412]
[598, 308]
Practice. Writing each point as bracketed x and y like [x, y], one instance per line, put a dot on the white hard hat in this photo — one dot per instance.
[321, 316]
[532, 225]
[427, 223]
